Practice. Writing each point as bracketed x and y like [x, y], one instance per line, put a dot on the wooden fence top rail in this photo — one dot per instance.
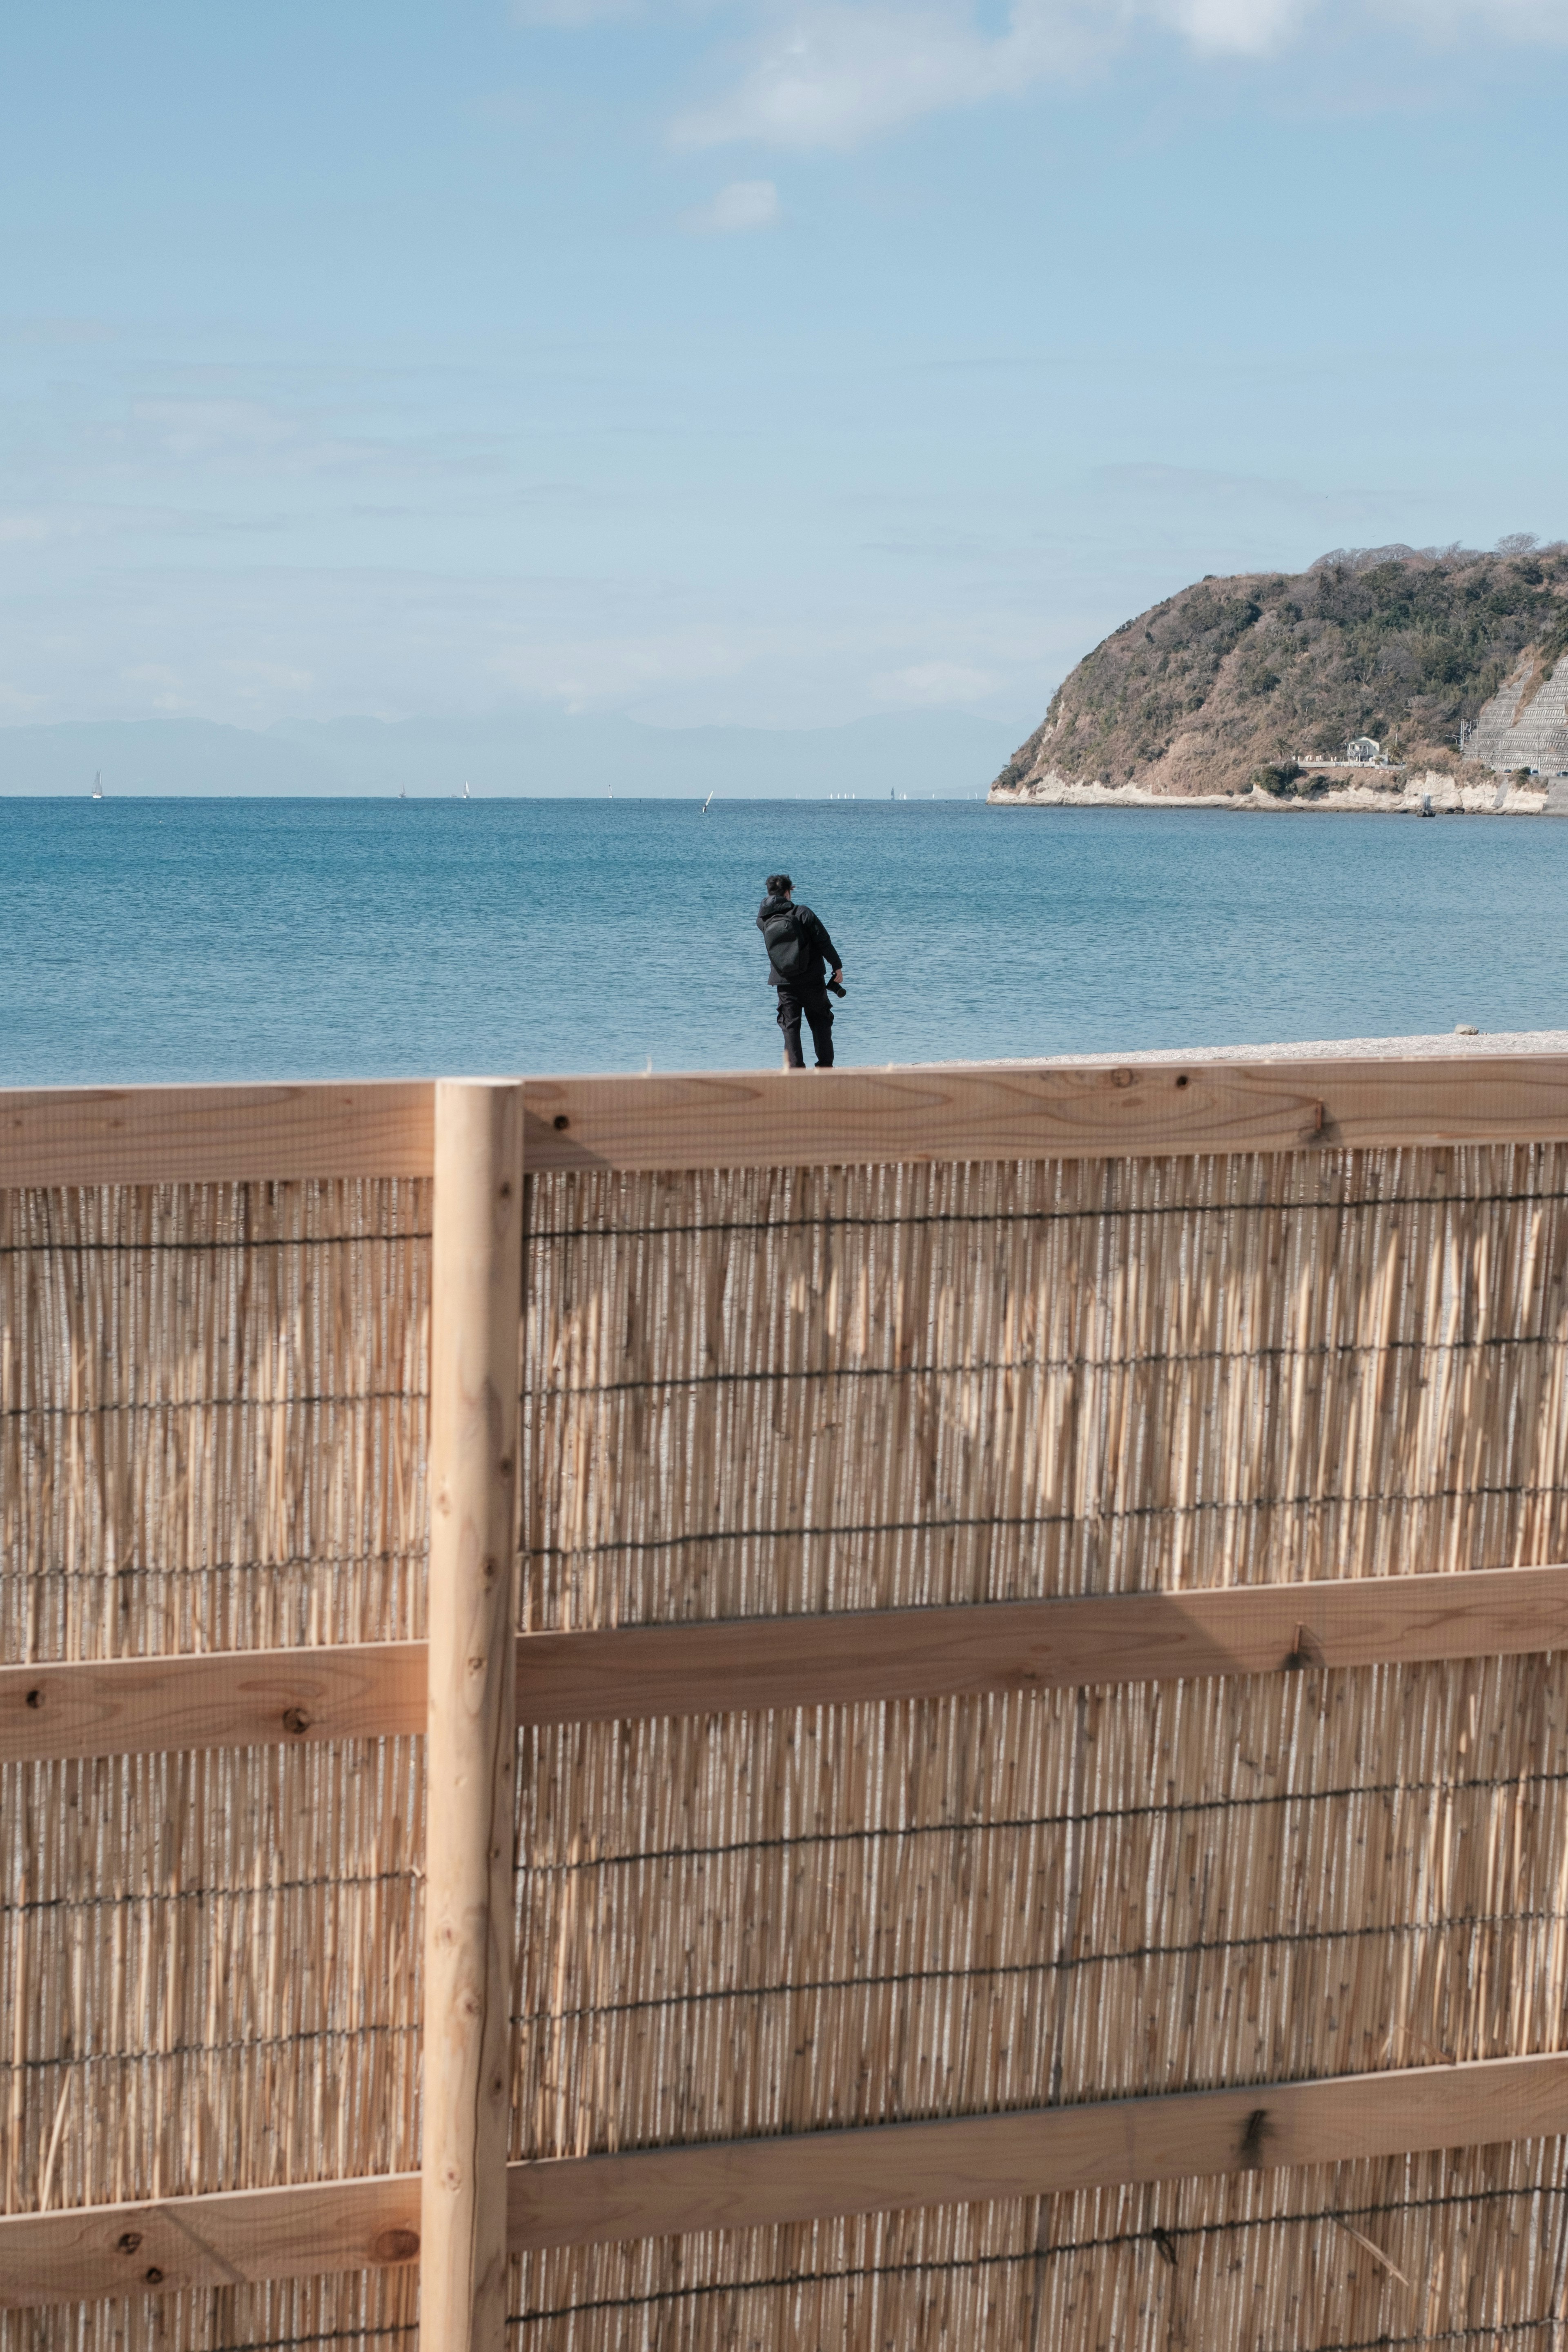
[204, 1135]
[1082, 1111]
[242, 1698]
[764, 1118]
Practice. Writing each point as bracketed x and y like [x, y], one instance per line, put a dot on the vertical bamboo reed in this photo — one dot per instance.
[475, 1281]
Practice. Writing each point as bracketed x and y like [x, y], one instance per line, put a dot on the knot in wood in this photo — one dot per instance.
[395, 2246]
[129, 2242]
[296, 1720]
[154, 2276]
[35, 1698]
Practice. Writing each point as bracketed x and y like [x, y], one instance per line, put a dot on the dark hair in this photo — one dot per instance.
[778, 884]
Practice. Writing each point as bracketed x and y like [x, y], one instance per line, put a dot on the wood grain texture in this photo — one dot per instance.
[768, 1119]
[471, 1757]
[181, 2243]
[191, 1135]
[811, 2176]
[772, 1118]
[109, 2251]
[1036, 1644]
[137, 1706]
[251, 1699]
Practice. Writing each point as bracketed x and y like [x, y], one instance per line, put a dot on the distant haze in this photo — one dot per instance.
[542, 755]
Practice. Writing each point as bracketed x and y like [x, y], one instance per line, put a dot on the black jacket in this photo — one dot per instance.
[820, 952]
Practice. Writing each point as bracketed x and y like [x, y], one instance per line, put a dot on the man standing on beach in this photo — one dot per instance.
[798, 949]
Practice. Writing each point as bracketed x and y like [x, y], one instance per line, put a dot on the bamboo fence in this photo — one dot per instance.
[918, 1709]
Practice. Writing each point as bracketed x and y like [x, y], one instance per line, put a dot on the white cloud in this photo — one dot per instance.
[934, 685]
[835, 73]
[832, 76]
[744, 205]
[159, 687]
[1237, 27]
[258, 681]
[609, 668]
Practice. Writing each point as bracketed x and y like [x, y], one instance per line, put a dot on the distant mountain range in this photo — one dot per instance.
[527, 754]
[1225, 686]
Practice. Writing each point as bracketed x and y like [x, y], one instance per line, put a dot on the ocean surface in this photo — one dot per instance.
[202, 939]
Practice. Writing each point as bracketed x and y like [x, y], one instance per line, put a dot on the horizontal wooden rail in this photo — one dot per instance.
[764, 1118]
[885, 2167]
[166, 2247]
[231, 1698]
[780, 1119]
[120, 1706]
[194, 2242]
[1010, 1645]
[201, 1135]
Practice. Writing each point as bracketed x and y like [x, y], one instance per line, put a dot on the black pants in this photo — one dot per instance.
[812, 1002]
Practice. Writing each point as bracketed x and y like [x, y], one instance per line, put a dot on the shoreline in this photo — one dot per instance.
[1433, 793]
[1453, 1044]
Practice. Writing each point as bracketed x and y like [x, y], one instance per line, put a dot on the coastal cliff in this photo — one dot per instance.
[1249, 687]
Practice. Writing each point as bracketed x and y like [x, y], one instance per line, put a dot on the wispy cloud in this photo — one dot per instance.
[1247, 29]
[834, 76]
[934, 686]
[836, 73]
[744, 205]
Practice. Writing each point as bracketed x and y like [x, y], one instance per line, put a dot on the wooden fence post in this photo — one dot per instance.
[470, 1760]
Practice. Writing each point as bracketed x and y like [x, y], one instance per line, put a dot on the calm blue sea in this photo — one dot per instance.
[169, 940]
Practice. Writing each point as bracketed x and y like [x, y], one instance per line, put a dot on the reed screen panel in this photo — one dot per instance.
[1460, 2252]
[748, 1394]
[213, 1423]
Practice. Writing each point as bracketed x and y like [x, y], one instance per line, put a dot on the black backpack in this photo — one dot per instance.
[785, 939]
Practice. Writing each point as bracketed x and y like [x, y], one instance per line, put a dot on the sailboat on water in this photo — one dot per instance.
[98, 786]
[466, 794]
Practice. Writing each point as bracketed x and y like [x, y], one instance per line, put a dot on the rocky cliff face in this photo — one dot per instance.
[1225, 688]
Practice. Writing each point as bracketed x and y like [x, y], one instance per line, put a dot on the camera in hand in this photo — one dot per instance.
[836, 988]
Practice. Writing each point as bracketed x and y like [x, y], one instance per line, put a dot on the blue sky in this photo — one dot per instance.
[759, 361]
